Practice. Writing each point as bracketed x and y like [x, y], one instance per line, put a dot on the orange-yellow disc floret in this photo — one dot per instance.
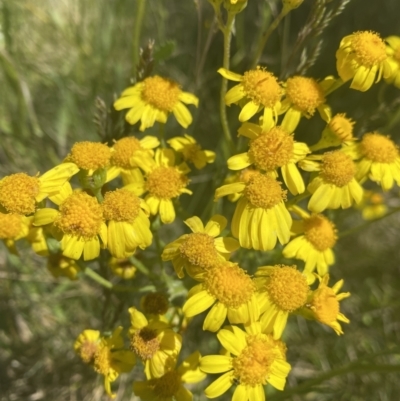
[165, 182]
[379, 148]
[320, 231]
[199, 249]
[162, 93]
[90, 155]
[145, 343]
[124, 149]
[369, 49]
[18, 193]
[337, 168]
[10, 225]
[121, 205]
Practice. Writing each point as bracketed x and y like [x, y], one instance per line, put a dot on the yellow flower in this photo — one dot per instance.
[339, 130]
[323, 304]
[87, 344]
[123, 268]
[230, 291]
[121, 157]
[335, 186]
[20, 193]
[241, 176]
[12, 228]
[380, 160]
[314, 244]
[271, 150]
[110, 359]
[362, 57]
[260, 216]
[164, 182]
[304, 96]
[201, 250]
[281, 290]
[90, 156]
[259, 90]
[373, 205]
[154, 342]
[256, 361]
[80, 222]
[128, 223]
[153, 99]
[170, 386]
[61, 266]
[393, 50]
[191, 151]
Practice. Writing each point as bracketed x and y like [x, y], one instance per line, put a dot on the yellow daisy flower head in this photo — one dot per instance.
[260, 217]
[373, 205]
[128, 223]
[90, 156]
[191, 151]
[271, 150]
[123, 150]
[315, 237]
[154, 342]
[154, 303]
[281, 290]
[241, 176]
[201, 250]
[164, 181]
[12, 228]
[335, 186]
[153, 99]
[87, 344]
[338, 131]
[170, 386]
[323, 304]
[362, 57]
[393, 50]
[380, 160]
[79, 220]
[258, 89]
[255, 360]
[20, 193]
[229, 291]
[61, 266]
[303, 96]
[123, 268]
[110, 359]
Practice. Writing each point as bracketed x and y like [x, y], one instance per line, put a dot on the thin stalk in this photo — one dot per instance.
[96, 277]
[367, 223]
[227, 32]
[267, 34]
[137, 29]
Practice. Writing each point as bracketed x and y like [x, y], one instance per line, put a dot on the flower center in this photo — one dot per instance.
[272, 149]
[199, 250]
[229, 284]
[155, 303]
[325, 305]
[342, 127]
[287, 288]
[90, 155]
[368, 48]
[88, 351]
[10, 225]
[246, 174]
[121, 205]
[190, 151]
[320, 231]
[253, 365]
[18, 193]
[166, 386]
[337, 168]
[262, 87]
[165, 182]
[305, 94]
[124, 149]
[161, 93]
[102, 360]
[379, 148]
[80, 216]
[264, 192]
[145, 343]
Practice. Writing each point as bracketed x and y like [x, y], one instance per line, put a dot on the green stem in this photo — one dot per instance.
[227, 32]
[367, 223]
[140, 9]
[96, 277]
[267, 34]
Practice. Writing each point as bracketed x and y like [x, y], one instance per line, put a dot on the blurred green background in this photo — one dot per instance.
[58, 57]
